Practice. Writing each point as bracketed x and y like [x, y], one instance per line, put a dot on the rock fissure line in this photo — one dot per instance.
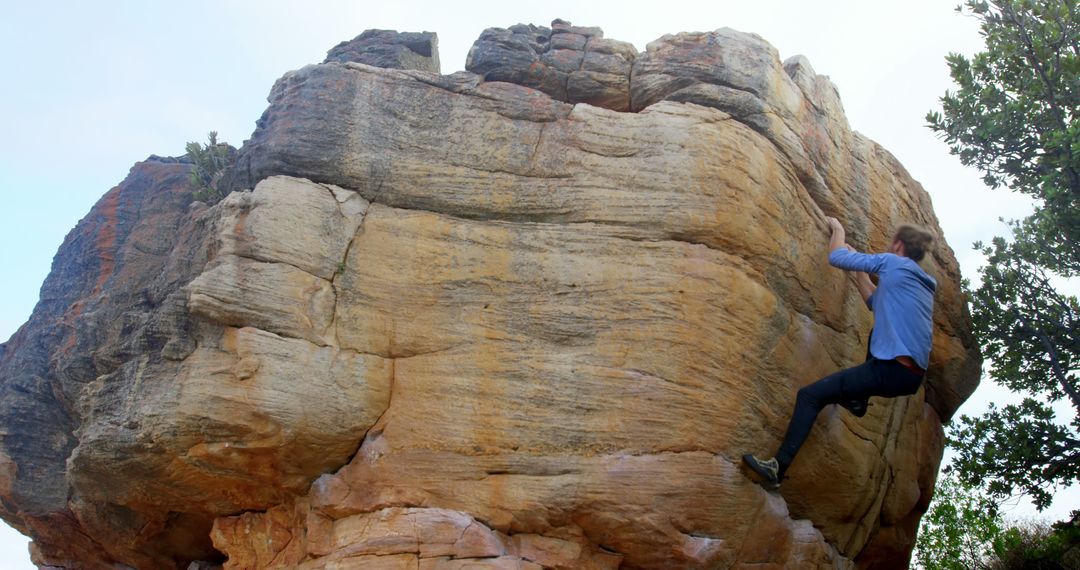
[871, 515]
[492, 473]
[528, 174]
[539, 139]
[343, 264]
[282, 551]
[378, 425]
[441, 82]
[271, 261]
[877, 446]
[580, 65]
[742, 89]
[587, 150]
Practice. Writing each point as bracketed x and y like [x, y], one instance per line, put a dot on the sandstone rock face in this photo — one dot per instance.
[484, 320]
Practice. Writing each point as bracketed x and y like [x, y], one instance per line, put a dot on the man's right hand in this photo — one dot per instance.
[834, 224]
[838, 237]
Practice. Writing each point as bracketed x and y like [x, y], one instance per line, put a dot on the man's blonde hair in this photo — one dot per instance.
[916, 240]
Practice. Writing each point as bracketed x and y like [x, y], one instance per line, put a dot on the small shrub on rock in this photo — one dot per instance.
[209, 164]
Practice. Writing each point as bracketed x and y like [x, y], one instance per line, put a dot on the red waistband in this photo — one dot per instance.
[912, 367]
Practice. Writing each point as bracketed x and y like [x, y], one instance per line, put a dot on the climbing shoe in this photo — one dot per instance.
[856, 407]
[766, 469]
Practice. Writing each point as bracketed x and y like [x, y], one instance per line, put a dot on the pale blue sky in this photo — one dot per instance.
[91, 88]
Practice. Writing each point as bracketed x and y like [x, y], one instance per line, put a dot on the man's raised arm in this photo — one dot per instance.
[865, 285]
[837, 241]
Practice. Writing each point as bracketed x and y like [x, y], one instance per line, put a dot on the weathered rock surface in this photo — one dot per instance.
[484, 320]
[111, 322]
[572, 64]
[390, 49]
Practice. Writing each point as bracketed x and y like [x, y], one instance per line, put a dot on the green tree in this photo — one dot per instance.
[1036, 545]
[209, 163]
[959, 530]
[1015, 117]
[964, 530]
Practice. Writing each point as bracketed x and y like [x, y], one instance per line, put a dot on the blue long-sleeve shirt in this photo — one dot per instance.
[903, 303]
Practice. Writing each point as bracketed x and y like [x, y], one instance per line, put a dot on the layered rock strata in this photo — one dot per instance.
[490, 320]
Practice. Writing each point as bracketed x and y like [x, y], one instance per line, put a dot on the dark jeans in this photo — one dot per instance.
[885, 378]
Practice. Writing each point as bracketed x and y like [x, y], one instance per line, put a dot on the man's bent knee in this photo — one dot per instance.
[807, 397]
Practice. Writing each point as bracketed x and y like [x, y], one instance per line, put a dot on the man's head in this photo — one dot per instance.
[911, 241]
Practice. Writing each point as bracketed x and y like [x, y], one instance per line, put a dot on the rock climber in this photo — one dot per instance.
[899, 351]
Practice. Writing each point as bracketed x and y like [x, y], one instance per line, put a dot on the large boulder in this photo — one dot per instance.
[472, 321]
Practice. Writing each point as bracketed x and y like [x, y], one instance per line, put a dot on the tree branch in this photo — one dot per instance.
[1037, 64]
[1055, 361]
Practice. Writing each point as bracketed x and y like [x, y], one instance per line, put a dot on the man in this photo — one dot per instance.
[899, 351]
